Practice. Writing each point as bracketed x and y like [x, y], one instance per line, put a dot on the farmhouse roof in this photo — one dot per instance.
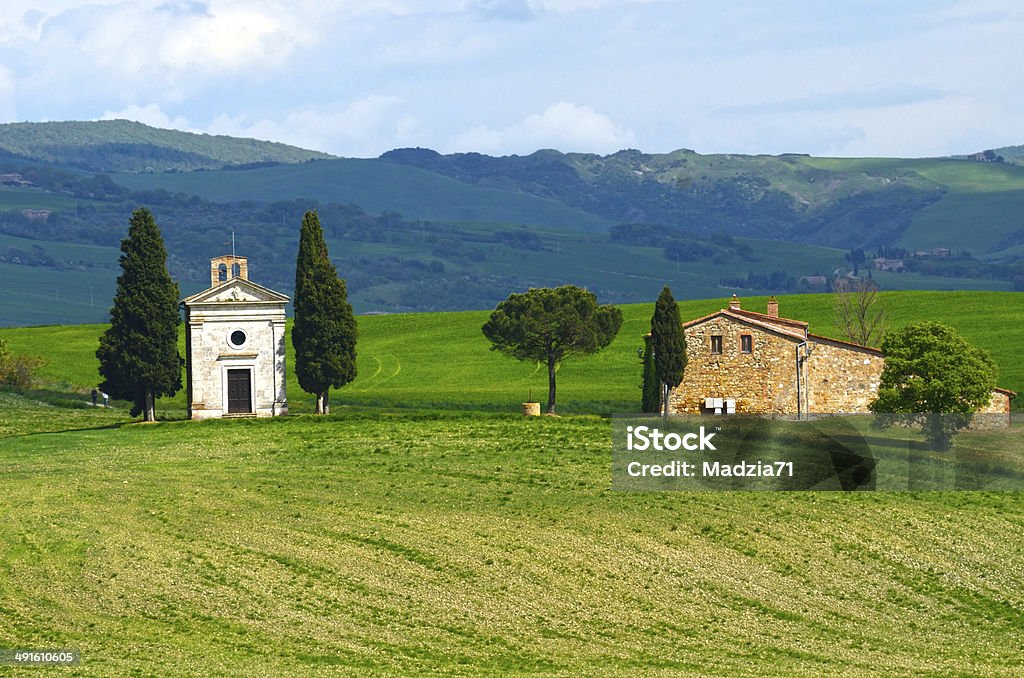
[787, 327]
[793, 329]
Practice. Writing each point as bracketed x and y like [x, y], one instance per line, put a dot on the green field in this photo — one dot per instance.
[441, 360]
[474, 544]
[425, 527]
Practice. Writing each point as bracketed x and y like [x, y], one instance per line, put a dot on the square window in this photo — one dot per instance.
[716, 343]
[746, 343]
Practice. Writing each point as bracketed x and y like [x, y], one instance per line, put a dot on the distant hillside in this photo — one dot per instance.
[125, 146]
[417, 230]
[377, 187]
[838, 202]
[1012, 154]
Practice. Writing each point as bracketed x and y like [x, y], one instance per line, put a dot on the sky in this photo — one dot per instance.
[356, 78]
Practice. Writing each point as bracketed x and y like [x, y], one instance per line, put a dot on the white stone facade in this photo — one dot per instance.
[235, 342]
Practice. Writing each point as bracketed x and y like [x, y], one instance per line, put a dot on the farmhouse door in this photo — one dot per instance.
[239, 391]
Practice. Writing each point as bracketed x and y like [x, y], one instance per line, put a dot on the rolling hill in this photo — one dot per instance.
[125, 146]
[417, 230]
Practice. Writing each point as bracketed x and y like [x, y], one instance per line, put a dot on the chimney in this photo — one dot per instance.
[734, 303]
[773, 306]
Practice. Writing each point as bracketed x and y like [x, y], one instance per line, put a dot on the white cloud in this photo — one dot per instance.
[563, 126]
[151, 115]
[232, 39]
[8, 111]
[364, 128]
[465, 74]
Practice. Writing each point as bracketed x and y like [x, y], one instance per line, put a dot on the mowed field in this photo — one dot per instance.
[424, 527]
[474, 544]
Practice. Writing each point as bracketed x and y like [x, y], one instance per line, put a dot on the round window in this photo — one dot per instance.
[237, 338]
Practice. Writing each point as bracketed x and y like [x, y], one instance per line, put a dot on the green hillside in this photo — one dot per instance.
[840, 202]
[441, 360]
[125, 146]
[376, 186]
[418, 231]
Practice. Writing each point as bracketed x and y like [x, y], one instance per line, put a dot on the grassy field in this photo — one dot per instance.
[443, 360]
[424, 527]
[475, 544]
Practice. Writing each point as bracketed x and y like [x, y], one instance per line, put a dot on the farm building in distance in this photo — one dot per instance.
[744, 362]
[235, 345]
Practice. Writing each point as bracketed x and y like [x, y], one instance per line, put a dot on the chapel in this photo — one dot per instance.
[235, 345]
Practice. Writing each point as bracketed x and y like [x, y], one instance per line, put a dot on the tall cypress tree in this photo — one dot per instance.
[138, 353]
[324, 333]
[650, 401]
[668, 343]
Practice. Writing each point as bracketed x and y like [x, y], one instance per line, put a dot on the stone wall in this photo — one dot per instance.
[835, 377]
[761, 382]
[840, 377]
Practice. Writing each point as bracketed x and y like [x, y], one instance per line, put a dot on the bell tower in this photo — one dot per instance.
[228, 267]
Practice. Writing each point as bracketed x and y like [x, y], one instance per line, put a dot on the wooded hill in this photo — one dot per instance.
[125, 146]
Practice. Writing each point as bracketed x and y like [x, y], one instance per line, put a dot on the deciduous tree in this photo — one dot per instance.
[324, 334]
[549, 325]
[858, 312]
[138, 353]
[929, 368]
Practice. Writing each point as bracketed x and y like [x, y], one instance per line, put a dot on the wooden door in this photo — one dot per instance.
[239, 391]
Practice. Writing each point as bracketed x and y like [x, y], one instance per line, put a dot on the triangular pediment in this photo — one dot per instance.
[236, 290]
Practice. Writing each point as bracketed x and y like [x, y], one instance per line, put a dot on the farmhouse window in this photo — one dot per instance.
[746, 343]
[716, 343]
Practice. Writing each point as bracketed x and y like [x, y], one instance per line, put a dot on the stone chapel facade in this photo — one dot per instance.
[744, 362]
[235, 345]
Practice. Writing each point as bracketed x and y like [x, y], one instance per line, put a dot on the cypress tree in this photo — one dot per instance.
[138, 353]
[650, 402]
[669, 345]
[324, 333]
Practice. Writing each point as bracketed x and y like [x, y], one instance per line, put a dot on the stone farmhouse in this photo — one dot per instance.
[235, 345]
[745, 362]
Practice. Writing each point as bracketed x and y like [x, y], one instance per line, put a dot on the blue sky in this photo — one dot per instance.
[360, 77]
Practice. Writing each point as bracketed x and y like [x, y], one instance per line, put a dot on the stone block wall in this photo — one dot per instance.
[836, 377]
[211, 354]
[761, 382]
[840, 378]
